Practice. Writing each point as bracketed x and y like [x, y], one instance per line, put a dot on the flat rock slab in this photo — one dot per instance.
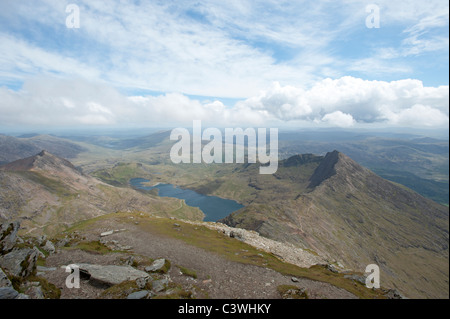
[107, 233]
[111, 274]
[8, 293]
[138, 294]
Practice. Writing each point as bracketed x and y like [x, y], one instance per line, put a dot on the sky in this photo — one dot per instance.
[295, 64]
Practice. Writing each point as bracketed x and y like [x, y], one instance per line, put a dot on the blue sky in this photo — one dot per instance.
[256, 62]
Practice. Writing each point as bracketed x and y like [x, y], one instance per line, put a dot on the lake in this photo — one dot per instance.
[214, 208]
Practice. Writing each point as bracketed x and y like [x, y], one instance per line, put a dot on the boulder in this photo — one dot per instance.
[19, 262]
[49, 247]
[160, 285]
[394, 294]
[141, 282]
[156, 266]
[8, 236]
[110, 275]
[138, 294]
[8, 293]
[4, 281]
[41, 240]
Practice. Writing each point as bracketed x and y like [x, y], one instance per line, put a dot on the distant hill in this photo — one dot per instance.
[332, 205]
[420, 163]
[49, 194]
[13, 148]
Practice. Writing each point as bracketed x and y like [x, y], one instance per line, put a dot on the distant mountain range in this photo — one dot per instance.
[14, 148]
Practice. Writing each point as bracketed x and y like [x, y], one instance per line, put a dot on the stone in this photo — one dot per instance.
[157, 265]
[8, 293]
[45, 269]
[360, 279]
[160, 285]
[39, 253]
[394, 294]
[63, 242]
[41, 240]
[297, 293]
[294, 279]
[35, 292]
[141, 282]
[110, 275]
[107, 233]
[8, 236]
[138, 294]
[49, 247]
[332, 268]
[19, 262]
[129, 261]
[236, 234]
[4, 281]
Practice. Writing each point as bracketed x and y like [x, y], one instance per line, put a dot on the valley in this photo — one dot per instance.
[328, 205]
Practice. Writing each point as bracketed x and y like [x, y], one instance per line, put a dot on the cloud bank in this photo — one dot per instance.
[343, 102]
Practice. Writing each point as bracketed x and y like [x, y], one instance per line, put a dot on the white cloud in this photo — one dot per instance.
[342, 102]
[339, 119]
[348, 100]
[419, 115]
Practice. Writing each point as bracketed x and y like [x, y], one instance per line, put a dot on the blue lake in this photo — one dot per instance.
[214, 208]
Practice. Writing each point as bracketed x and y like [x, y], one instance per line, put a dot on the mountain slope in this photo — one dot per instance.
[48, 193]
[351, 215]
[14, 148]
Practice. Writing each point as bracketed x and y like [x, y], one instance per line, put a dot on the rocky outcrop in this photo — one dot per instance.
[18, 259]
[285, 251]
[8, 236]
[49, 247]
[8, 293]
[159, 265]
[110, 275]
[20, 262]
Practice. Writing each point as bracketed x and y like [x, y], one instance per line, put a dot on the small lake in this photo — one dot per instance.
[214, 208]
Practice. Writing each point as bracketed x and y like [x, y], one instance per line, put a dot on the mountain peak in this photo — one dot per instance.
[334, 163]
[44, 160]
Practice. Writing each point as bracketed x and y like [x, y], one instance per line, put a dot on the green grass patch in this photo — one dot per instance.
[94, 247]
[49, 290]
[120, 291]
[187, 272]
[175, 291]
